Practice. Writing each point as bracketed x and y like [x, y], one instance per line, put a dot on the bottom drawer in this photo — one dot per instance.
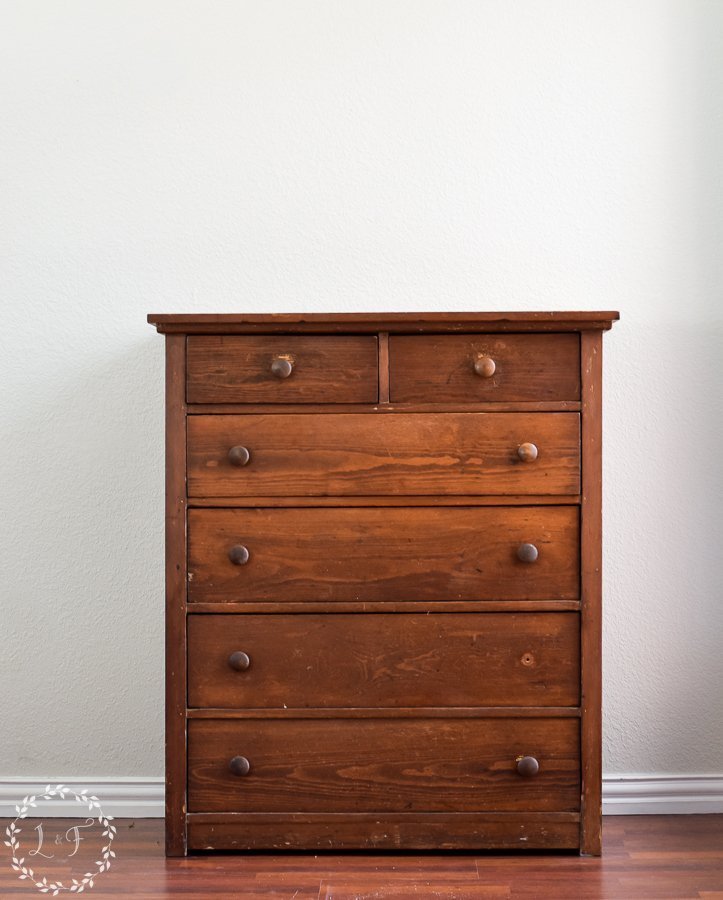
[374, 765]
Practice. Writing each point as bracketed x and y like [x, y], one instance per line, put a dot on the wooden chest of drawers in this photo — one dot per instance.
[383, 581]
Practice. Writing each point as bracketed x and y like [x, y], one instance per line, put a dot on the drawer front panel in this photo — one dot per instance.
[372, 554]
[318, 661]
[484, 367]
[282, 369]
[369, 765]
[361, 454]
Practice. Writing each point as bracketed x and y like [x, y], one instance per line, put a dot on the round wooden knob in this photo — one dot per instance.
[485, 366]
[238, 456]
[527, 766]
[282, 367]
[239, 765]
[527, 553]
[239, 555]
[527, 452]
[239, 661]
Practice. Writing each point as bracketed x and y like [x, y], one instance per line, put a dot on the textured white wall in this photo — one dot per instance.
[359, 155]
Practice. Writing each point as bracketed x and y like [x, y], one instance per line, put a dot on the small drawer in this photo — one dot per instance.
[469, 368]
[373, 660]
[288, 369]
[376, 554]
[377, 765]
[356, 454]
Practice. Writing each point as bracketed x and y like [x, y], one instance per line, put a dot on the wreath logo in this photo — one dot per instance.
[76, 885]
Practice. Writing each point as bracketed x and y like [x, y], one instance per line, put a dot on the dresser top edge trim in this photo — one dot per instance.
[415, 323]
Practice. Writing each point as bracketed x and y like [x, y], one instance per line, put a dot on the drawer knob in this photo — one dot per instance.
[484, 366]
[239, 765]
[239, 661]
[282, 367]
[239, 456]
[527, 766]
[527, 553]
[527, 452]
[239, 555]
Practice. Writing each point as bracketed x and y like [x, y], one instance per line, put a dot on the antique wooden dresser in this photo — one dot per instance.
[383, 581]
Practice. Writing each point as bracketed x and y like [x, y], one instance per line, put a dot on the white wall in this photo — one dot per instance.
[348, 155]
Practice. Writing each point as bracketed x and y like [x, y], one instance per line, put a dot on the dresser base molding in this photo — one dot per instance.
[383, 831]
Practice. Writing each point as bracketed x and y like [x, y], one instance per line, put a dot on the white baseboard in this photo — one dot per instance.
[134, 798]
[143, 798]
[649, 795]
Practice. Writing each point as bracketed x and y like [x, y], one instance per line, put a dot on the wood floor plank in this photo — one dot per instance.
[433, 890]
[644, 858]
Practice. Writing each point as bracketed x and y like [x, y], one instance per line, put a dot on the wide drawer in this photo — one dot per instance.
[402, 453]
[365, 765]
[282, 369]
[371, 554]
[484, 367]
[449, 659]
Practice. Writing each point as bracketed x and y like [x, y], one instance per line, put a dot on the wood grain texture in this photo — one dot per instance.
[424, 453]
[591, 587]
[384, 831]
[411, 322]
[397, 554]
[379, 765]
[384, 367]
[488, 659]
[325, 369]
[175, 596]
[527, 367]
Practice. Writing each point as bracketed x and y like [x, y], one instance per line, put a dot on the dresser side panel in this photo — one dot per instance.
[591, 593]
[175, 595]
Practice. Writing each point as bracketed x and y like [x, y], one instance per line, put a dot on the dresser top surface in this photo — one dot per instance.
[407, 322]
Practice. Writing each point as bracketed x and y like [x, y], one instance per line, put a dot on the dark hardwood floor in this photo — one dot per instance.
[643, 857]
